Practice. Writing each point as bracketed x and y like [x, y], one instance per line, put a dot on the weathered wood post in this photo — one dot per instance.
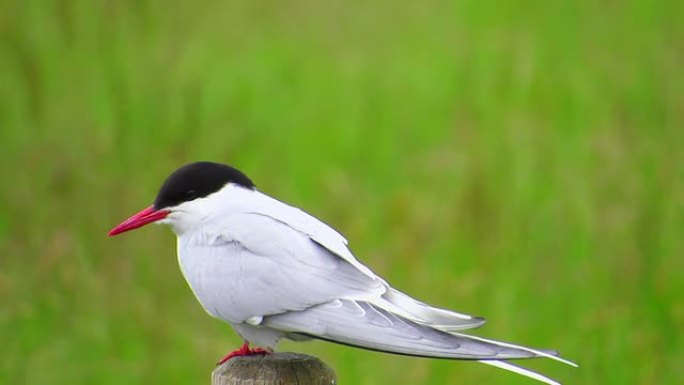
[274, 369]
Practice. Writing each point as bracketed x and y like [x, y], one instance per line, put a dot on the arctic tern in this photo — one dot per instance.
[272, 271]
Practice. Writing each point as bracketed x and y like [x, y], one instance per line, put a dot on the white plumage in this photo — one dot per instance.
[272, 271]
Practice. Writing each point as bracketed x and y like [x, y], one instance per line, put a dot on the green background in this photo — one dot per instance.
[520, 161]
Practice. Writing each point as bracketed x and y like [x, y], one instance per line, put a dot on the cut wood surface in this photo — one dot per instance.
[274, 369]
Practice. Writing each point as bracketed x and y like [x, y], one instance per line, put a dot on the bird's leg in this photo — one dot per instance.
[244, 350]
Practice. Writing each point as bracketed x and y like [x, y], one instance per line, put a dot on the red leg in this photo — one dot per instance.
[244, 350]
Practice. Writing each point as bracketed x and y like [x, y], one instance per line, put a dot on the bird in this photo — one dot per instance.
[273, 271]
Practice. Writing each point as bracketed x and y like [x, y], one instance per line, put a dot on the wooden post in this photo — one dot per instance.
[274, 369]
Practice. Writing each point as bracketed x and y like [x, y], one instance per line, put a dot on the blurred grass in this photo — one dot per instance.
[516, 160]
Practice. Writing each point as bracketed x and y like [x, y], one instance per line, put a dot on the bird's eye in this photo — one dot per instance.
[190, 194]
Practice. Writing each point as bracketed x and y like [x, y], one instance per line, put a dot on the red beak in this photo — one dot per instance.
[140, 219]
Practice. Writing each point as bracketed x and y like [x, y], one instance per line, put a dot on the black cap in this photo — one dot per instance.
[198, 180]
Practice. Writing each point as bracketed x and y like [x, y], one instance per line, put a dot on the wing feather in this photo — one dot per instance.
[256, 266]
[331, 240]
[368, 326]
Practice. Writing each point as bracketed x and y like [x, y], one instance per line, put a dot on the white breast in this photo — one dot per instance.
[210, 275]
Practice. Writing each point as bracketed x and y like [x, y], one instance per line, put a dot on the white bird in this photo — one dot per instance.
[273, 271]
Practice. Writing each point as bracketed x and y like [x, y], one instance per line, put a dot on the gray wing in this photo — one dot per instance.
[336, 245]
[363, 324]
[254, 266]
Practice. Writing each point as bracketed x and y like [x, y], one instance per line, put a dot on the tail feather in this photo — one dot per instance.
[371, 326]
[364, 325]
[520, 370]
[552, 354]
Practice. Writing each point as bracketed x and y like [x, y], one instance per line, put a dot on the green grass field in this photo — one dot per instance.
[521, 161]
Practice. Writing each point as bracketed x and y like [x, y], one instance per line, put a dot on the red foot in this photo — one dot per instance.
[244, 351]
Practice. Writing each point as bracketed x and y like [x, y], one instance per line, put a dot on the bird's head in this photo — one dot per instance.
[186, 196]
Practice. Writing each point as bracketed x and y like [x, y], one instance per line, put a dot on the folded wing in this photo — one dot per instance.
[295, 274]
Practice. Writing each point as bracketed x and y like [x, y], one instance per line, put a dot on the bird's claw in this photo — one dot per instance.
[244, 350]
